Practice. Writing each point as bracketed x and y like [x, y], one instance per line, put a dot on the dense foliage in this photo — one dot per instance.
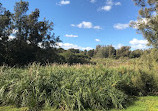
[77, 87]
[23, 38]
[110, 52]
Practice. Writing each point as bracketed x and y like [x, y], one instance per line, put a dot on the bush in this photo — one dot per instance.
[72, 58]
[138, 83]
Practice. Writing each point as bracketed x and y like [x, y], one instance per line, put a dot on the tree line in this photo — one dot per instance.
[108, 51]
[25, 39]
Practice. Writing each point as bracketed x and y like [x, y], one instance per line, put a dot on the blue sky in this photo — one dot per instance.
[84, 24]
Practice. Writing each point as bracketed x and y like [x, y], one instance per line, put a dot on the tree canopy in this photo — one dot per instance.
[147, 22]
[24, 38]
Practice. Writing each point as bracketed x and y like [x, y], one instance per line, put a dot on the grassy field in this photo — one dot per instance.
[108, 85]
[148, 103]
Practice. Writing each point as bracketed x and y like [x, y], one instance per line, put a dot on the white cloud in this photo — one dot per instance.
[97, 40]
[69, 46]
[120, 26]
[64, 2]
[136, 41]
[106, 8]
[109, 5]
[138, 44]
[85, 25]
[70, 35]
[92, 1]
[110, 2]
[135, 44]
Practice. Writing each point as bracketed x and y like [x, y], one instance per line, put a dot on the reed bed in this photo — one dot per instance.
[76, 87]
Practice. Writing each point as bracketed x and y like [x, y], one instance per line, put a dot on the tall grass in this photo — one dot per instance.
[77, 87]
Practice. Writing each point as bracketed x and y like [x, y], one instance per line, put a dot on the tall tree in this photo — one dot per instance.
[19, 19]
[147, 22]
[124, 51]
[30, 29]
[105, 51]
[90, 53]
[5, 23]
[5, 31]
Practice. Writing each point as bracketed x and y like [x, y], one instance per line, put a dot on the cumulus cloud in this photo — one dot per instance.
[97, 40]
[106, 8]
[64, 2]
[70, 35]
[109, 5]
[138, 44]
[120, 26]
[87, 25]
[69, 46]
[136, 41]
